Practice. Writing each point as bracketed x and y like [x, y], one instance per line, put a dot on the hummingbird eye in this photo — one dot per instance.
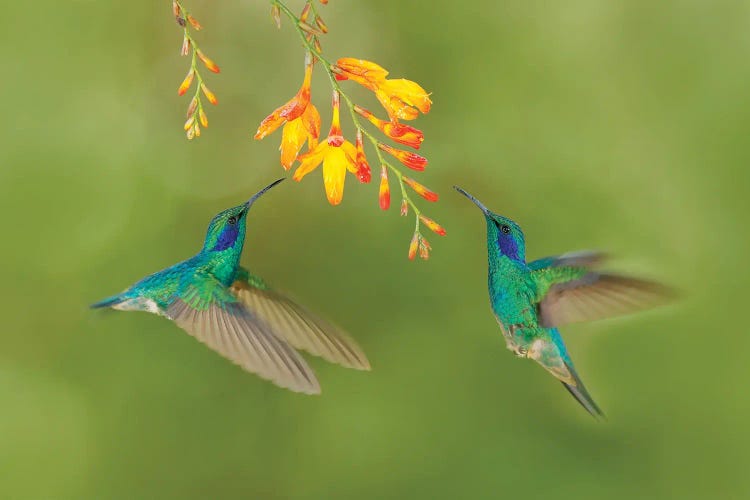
[505, 228]
[232, 220]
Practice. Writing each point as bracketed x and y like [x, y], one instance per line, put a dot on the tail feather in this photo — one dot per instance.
[579, 392]
[108, 302]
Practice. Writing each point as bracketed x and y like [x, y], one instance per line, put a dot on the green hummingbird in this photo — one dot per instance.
[236, 313]
[531, 299]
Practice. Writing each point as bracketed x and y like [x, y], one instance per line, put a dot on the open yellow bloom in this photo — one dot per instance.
[337, 155]
[402, 99]
[292, 110]
[295, 132]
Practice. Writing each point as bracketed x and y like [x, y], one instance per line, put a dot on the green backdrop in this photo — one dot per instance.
[616, 125]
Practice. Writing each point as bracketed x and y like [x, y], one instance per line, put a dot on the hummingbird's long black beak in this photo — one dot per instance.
[476, 202]
[260, 193]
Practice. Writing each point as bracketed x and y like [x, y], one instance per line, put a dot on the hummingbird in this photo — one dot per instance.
[531, 300]
[236, 313]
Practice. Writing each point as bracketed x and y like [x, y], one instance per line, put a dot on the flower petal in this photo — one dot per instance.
[310, 160]
[409, 92]
[334, 174]
[293, 136]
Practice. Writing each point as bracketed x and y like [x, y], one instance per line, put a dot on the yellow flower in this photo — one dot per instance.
[402, 99]
[306, 127]
[337, 155]
[292, 110]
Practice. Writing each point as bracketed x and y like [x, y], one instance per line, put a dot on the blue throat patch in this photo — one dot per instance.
[508, 245]
[227, 238]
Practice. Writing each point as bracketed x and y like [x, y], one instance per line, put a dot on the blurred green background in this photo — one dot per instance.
[619, 125]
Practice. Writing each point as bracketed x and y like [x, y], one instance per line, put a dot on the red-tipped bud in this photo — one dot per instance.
[363, 168]
[305, 12]
[434, 226]
[202, 117]
[385, 190]
[209, 95]
[176, 9]
[409, 159]
[186, 82]
[317, 45]
[413, 245]
[208, 62]
[420, 189]
[324, 2]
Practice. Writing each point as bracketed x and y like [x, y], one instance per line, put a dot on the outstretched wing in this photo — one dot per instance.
[211, 314]
[583, 258]
[570, 292]
[297, 325]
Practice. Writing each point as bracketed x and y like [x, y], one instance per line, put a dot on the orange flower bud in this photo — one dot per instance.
[420, 189]
[204, 119]
[197, 130]
[194, 23]
[317, 45]
[209, 95]
[409, 159]
[403, 134]
[363, 168]
[176, 9]
[324, 2]
[276, 15]
[186, 82]
[190, 133]
[434, 226]
[321, 24]
[385, 190]
[208, 62]
[413, 246]
[305, 12]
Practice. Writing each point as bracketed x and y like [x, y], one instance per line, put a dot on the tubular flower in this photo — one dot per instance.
[337, 155]
[409, 159]
[403, 134]
[434, 226]
[366, 73]
[420, 189]
[306, 127]
[292, 110]
[402, 99]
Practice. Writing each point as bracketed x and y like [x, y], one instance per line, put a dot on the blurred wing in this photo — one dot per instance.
[584, 258]
[597, 296]
[299, 327]
[215, 318]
